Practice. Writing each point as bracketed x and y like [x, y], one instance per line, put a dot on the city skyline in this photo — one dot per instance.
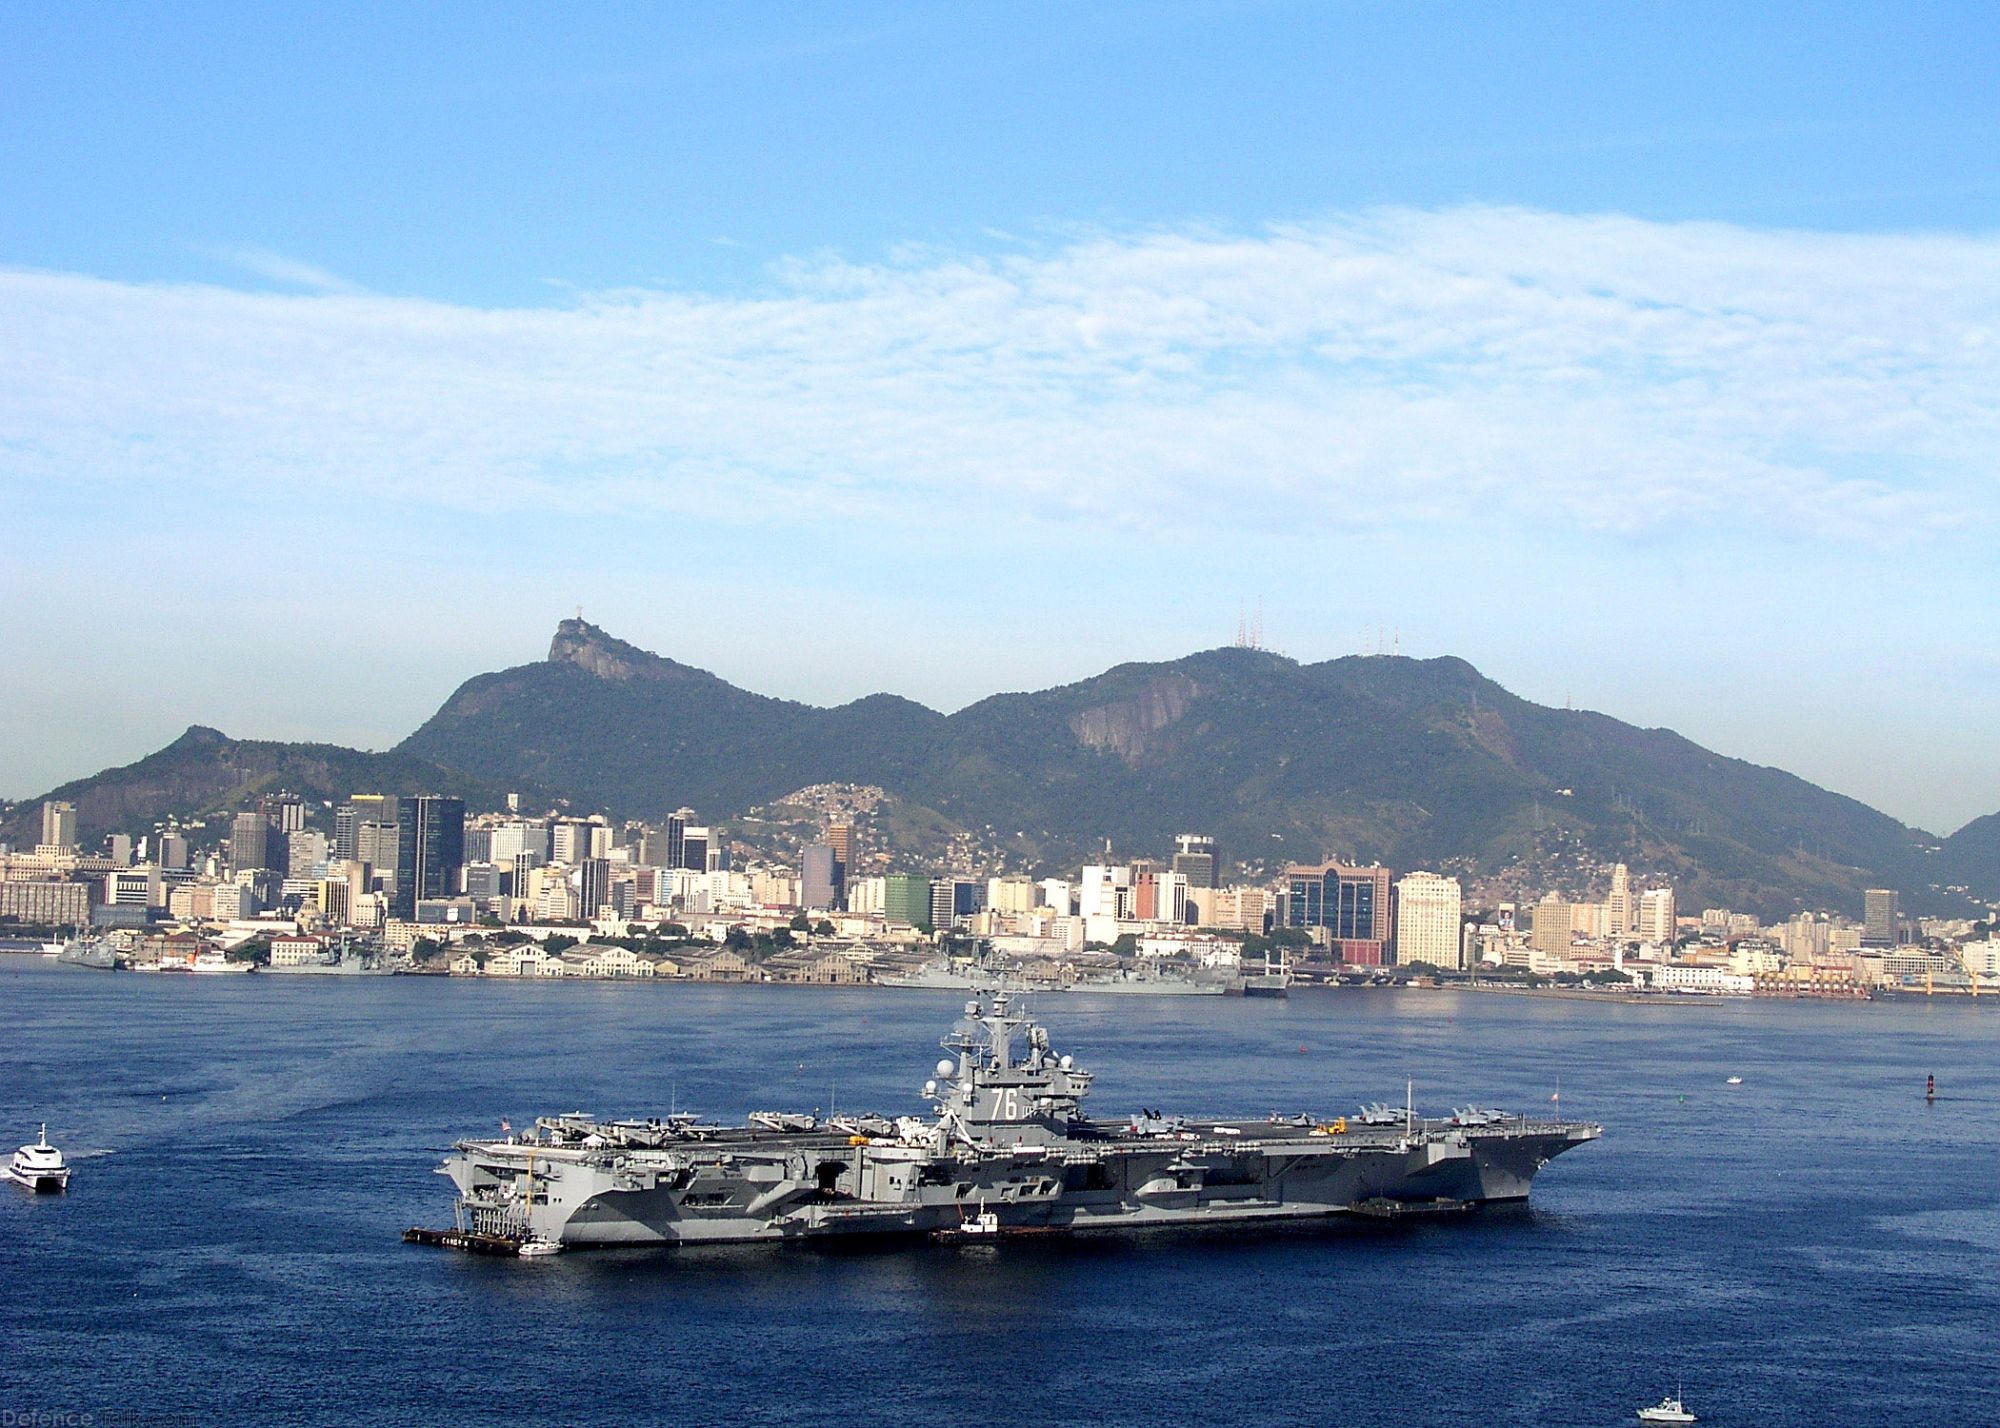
[514, 894]
[1594, 350]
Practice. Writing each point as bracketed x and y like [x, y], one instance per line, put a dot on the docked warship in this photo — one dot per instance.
[1007, 1151]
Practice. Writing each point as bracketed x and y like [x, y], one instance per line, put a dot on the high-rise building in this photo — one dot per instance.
[816, 877]
[1012, 894]
[1879, 917]
[943, 903]
[593, 885]
[1351, 903]
[286, 812]
[1105, 892]
[650, 850]
[173, 851]
[520, 835]
[1427, 921]
[1235, 909]
[1552, 927]
[430, 850]
[250, 842]
[677, 826]
[54, 903]
[906, 900]
[347, 832]
[840, 838]
[866, 896]
[134, 887]
[348, 818]
[305, 851]
[378, 845]
[569, 840]
[1195, 859]
[335, 897]
[58, 824]
[694, 849]
[1656, 916]
[1618, 905]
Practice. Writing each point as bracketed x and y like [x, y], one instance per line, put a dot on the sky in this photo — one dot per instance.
[1646, 356]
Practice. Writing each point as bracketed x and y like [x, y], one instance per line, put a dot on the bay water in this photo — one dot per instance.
[1815, 1245]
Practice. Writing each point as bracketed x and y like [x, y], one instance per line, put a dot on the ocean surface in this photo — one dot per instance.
[1815, 1246]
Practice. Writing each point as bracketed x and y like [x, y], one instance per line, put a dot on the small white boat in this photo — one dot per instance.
[1733, 1081]
[537, 1248]
[40, 1166]
[1668, 1410]
[984, 1225]
[209, 961]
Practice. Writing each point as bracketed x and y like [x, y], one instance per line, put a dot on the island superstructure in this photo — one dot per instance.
[1007, 1148]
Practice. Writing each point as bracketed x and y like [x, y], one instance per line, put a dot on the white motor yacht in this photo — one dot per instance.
[1668, 1410]
[40, 1166]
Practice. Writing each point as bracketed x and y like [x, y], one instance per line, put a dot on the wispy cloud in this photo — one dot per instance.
[288, 272]
[1454, 366]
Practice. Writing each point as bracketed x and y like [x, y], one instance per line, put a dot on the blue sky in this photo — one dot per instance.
[1644, 356]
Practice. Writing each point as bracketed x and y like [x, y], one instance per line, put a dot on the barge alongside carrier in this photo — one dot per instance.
[1008, 1150]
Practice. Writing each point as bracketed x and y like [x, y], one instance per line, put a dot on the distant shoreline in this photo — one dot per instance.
[1572, 994]
[1566, 994]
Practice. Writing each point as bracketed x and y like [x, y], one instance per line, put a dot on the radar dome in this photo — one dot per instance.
[930, 1088]
[1067, 1061]
[945, 1068]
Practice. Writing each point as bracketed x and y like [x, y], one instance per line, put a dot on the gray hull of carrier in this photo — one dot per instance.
[1007, 1150]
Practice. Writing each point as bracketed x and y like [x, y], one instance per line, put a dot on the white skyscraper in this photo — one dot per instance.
[1427, 921]
[1106, 892]
[1656, 915]
[569, 841]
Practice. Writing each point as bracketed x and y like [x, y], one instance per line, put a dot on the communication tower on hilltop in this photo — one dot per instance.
[1250, 628]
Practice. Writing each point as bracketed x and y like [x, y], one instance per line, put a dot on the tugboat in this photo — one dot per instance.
[40, 1167]
[1008, 1150]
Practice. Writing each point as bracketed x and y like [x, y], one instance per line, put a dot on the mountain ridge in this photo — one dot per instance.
[1413, 762]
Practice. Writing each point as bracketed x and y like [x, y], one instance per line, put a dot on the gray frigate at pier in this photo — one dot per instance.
[1006, 1150]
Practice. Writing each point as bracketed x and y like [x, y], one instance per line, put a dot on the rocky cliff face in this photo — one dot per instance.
[582, 644]
[1122, 728]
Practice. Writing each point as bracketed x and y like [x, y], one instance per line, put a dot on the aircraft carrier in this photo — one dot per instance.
[1006, 1150]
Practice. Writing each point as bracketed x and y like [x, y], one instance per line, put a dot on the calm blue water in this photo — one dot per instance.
[1814, 1246]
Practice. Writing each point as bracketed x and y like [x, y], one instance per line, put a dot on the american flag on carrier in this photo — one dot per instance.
[506, 1128]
